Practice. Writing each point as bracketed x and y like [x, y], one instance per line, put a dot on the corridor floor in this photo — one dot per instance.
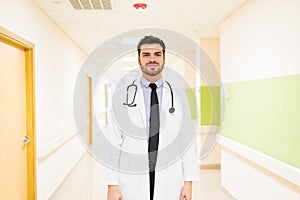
[83, 184]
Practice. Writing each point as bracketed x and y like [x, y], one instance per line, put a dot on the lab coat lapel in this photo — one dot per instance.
[164, 113]
[141, 103]
[137, 116]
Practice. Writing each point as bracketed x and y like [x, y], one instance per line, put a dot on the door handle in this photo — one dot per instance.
[26, 140]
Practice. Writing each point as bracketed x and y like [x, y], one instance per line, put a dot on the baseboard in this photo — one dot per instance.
[210, 166]
[227, 193]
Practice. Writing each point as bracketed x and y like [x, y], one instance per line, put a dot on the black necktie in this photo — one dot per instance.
[153, 137]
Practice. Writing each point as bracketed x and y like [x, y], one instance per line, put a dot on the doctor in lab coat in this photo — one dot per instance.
[176, 166]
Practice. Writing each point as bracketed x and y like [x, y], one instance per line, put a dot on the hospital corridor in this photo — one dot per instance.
[143, 98]
[82, 183]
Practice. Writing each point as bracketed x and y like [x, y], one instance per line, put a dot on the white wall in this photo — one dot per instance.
[57, 62]
[259, 40]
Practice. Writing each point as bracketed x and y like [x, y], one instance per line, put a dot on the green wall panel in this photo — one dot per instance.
[210, 105]
[265, 115]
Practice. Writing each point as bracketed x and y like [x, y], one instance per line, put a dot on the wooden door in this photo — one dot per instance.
[17, 168]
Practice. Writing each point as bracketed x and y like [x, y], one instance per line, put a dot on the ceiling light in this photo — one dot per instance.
[140, 5]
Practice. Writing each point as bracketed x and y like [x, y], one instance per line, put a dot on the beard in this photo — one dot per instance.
[152, 70]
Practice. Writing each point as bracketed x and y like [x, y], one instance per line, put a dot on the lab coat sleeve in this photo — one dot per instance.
[189, 160]
[114, 136]
[190, 165]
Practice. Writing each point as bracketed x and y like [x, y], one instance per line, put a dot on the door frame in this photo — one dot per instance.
[90, 110]
[15, 41]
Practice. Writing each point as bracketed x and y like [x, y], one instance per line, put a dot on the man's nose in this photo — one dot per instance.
[152, 58]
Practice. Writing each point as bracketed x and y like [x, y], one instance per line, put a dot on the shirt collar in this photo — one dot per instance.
[145, 82]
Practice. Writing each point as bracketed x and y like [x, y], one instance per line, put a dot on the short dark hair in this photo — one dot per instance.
[151, 40]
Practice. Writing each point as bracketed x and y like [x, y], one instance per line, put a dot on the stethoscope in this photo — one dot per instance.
[132, 104]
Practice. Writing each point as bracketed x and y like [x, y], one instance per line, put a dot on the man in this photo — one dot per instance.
[169, 167]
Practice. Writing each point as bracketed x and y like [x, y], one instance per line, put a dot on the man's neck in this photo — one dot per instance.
[152, 79]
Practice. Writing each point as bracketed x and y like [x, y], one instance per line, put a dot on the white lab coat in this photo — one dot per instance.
[176, 159]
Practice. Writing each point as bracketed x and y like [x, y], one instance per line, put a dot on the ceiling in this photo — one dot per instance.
[90, 27]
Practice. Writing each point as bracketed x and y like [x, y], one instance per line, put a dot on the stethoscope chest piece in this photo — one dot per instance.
[172, 110]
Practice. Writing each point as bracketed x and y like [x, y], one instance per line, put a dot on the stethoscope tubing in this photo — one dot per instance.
[132, 104]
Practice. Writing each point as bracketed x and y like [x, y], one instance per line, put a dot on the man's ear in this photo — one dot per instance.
[139, 61]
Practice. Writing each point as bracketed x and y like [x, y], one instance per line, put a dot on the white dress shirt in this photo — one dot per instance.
[147, 95]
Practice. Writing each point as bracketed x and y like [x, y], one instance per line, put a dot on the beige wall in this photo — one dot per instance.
[212, 47]
[210, 69]
[57, 62]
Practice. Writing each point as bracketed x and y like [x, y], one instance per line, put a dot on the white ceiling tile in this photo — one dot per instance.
[88, 28]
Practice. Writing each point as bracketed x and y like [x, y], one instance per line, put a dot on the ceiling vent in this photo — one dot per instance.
[91, 4]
